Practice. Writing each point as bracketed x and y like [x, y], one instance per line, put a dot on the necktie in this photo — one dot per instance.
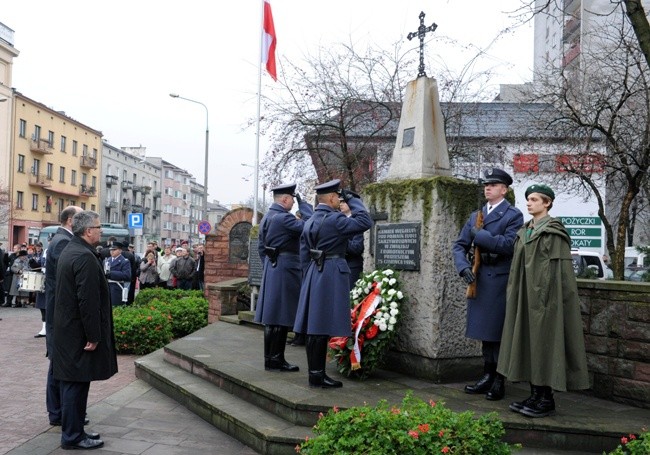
[489, 208]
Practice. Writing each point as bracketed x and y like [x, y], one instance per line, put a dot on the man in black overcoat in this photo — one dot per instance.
[84, 343]
[55, 247]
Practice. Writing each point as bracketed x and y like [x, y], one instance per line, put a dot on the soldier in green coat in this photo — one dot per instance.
[542, 340]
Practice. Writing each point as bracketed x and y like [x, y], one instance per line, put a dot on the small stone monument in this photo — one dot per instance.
[421, 146]
[419, 211]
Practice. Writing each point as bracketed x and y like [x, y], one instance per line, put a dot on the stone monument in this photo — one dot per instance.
[419, 211]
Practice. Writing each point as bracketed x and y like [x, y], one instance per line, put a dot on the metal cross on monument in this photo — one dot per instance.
[422, 30]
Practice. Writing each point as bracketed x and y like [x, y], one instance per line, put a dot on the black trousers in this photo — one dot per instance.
[490, 351]
[53, 396]
[74, 398]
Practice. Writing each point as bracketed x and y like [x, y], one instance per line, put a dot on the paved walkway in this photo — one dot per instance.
[132, 417]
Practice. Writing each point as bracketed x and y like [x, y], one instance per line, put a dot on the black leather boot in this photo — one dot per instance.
[517, 406]
[267, 345]
[485, 383]
[316, 346]
[498, 389]
[276, 350]
[543, 406]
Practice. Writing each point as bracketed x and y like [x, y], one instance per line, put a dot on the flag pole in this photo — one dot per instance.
[256, 172]
[256, 169]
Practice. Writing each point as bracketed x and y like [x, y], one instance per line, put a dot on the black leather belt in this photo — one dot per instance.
[287, 253]
[335, 256]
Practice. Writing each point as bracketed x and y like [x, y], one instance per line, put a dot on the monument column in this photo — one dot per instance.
[419, 211]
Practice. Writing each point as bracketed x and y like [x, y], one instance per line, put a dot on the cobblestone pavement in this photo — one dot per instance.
[132, 417]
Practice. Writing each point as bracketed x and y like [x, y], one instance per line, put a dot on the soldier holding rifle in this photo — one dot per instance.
[482, 255]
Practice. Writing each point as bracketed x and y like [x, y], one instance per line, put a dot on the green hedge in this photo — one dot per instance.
[156, 317]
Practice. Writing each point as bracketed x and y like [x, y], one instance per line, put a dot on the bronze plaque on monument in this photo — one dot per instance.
[397, 246]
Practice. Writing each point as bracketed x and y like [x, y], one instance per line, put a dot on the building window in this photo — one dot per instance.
[84, 178]
[63, 140]
[48, 204]
[36, 167]
[50, 138]
[21, 164]
[83, 205]
[50, 170]
[22, 131]
[73, 177]
[37, 132]
[94, 180]
[94, 153]
[74, 147]
[93, 207]
[19, 200]
[85, 150]
[34, 202]
[62, 174]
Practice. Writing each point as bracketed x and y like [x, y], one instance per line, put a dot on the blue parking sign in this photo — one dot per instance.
[136, 220]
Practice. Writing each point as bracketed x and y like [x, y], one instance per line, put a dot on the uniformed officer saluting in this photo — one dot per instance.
[279, 246]
[324, 306]
[495, 240]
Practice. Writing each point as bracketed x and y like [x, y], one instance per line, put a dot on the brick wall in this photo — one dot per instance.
[616, 317]
[218, 265]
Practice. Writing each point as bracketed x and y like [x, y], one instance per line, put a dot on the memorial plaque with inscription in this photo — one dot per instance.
[398, 246]
[255, 267]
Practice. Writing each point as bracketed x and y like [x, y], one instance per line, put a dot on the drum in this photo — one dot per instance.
[32, 282]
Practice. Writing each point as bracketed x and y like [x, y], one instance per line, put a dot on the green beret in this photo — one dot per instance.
[542, 189]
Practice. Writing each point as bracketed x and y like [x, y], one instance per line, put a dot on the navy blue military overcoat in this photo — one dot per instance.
[324, 305]
[120, 271]
[280, 286]
[485, 313]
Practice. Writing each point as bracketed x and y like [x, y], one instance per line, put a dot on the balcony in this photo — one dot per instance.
[127, 185]
[111, 180]
[146, 210]
[112, 204]
[41, 146]
[156, 212]
[88, 162]
[137, 189]
[136, 208]
[87, 190]
[126, 204]
[157, 194]
[41, 180]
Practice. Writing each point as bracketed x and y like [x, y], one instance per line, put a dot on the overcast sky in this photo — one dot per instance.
[112, 64]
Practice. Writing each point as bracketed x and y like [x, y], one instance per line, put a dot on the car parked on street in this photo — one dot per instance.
[590, 264]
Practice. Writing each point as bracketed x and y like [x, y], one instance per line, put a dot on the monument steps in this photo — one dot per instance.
[218, 373]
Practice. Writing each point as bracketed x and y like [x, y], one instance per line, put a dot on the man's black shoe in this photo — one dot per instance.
[93, 435]
[84, 444]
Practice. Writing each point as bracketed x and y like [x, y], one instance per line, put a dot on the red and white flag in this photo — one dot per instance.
[268, 41]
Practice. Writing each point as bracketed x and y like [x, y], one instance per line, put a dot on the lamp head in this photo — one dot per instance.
[173, 95]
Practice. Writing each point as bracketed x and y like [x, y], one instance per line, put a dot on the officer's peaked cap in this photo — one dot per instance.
[328, 187]
[496, 175]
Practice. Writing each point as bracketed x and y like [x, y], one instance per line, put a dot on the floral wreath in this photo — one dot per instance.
[375, 302]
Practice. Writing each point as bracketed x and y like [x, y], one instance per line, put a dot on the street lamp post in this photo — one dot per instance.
[207, 140]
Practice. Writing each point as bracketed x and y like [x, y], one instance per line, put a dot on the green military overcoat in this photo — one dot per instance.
[542, 340]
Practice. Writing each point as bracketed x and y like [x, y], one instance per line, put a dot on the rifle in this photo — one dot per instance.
[471, 288]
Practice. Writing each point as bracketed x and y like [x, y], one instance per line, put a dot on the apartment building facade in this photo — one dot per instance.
[7, 54]
[55, 162]
[179, 190]
[130, 184]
